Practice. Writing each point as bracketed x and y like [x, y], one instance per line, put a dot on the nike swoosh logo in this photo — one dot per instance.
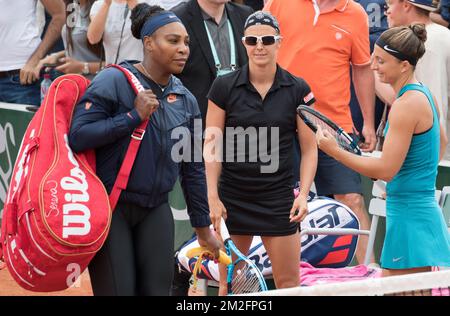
[389, 50]
[397, 259]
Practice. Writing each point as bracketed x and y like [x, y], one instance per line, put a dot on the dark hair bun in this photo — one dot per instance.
[420, 31]
[139, 15]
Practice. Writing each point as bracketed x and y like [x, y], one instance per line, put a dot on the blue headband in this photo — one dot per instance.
[157, 21]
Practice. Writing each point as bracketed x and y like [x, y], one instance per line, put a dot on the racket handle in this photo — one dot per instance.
[224, 230]
[197, 251]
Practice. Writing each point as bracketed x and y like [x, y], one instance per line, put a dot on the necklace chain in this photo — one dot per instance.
[151, 78]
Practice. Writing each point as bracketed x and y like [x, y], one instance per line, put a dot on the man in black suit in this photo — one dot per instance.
[255, 4]
[218, 21]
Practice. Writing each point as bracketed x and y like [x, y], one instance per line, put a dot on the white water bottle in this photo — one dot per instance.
[45, 85]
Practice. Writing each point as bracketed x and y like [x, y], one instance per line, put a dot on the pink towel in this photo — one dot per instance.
[313, 276]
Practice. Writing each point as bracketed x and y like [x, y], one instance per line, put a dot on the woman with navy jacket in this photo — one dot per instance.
[137, 258]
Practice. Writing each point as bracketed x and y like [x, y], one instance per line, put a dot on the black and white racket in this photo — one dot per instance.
[313, 119]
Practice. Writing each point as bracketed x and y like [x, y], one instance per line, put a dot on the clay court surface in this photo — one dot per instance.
[8, 287]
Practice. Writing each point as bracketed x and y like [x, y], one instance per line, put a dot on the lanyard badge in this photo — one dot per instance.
[219, 68]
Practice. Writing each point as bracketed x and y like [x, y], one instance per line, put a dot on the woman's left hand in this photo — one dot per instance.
[299, 209]
[326, 142]
[70, 66]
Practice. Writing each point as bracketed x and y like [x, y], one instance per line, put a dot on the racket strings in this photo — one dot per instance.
[249, 287]
[245, 283]
[342, 141]
[245, 280]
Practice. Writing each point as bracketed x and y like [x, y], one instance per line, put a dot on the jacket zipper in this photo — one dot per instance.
[163, 151]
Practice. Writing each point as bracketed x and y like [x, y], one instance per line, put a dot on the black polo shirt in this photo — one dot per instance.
[246, 112]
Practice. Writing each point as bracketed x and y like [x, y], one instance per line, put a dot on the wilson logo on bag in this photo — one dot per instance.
[57, 212]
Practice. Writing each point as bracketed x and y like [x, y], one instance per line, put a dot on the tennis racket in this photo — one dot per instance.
[243, 276]
[313, 119]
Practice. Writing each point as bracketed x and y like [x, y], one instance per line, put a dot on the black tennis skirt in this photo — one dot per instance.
[259, 215]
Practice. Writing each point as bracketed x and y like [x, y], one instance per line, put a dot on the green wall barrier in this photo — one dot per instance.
[183, 228]
[14, 119]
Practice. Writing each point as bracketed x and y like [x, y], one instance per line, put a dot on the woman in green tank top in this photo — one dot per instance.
[416, 235]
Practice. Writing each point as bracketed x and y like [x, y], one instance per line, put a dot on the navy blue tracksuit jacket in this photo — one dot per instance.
[104, 120]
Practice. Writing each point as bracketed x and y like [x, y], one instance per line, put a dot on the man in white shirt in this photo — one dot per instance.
[22, 47]
[433, 69]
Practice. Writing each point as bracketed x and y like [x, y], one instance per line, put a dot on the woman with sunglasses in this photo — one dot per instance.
[416, 235]
[251, 190]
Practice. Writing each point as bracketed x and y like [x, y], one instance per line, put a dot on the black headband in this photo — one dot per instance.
[397, 54]
[262, 18]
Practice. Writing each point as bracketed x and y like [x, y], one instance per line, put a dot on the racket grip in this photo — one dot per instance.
[224, 230]
[197, 251]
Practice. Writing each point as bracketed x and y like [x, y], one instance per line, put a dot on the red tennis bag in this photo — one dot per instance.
[57, 212]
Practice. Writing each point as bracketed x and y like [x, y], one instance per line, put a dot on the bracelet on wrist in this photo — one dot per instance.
[86, 70]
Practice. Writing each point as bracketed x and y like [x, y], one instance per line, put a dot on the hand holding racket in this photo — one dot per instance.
[243, 276]
[326, 142]
[217, 211]
[314, 119]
